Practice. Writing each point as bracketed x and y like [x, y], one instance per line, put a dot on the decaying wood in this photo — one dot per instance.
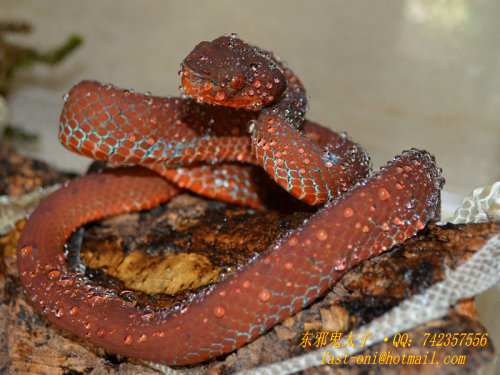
[203, 240]
[19, 175]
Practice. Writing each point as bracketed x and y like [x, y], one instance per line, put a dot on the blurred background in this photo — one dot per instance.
[393, 74]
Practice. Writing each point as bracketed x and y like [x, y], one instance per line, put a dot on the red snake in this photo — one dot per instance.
[206, 149]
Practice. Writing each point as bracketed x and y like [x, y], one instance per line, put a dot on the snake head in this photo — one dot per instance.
[230, 72]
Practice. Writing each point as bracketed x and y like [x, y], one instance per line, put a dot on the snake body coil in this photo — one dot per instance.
[204, 148]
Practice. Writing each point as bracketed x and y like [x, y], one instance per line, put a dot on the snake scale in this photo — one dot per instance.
[245, 107]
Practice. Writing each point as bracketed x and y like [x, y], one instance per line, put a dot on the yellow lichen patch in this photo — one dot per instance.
[164, 273]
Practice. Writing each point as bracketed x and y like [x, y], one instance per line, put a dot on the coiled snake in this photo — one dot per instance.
[191, 144]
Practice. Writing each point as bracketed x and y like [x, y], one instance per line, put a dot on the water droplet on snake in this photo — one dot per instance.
[321, 235]
[348, 212]
[419, 225]
[26, 251]
[340, 265]
[220, 95]
[219, 311]
[54, 274]
[251, 126]
[397, 221]
[147, 313]
[264, 295]
[129, 297]
[128, 340]
[65, 281]
[383, 194]
[207, 86]
[101, 332]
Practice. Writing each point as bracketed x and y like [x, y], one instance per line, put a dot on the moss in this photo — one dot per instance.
[14, 57]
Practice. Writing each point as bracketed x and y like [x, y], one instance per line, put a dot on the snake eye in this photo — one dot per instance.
[237, 82]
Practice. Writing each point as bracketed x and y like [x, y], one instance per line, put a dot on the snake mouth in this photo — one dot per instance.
[206, 90]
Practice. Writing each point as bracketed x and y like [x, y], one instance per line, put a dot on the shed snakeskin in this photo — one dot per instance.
[206, 149]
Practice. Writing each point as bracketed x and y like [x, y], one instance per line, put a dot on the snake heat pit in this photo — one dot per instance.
[202, 145]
